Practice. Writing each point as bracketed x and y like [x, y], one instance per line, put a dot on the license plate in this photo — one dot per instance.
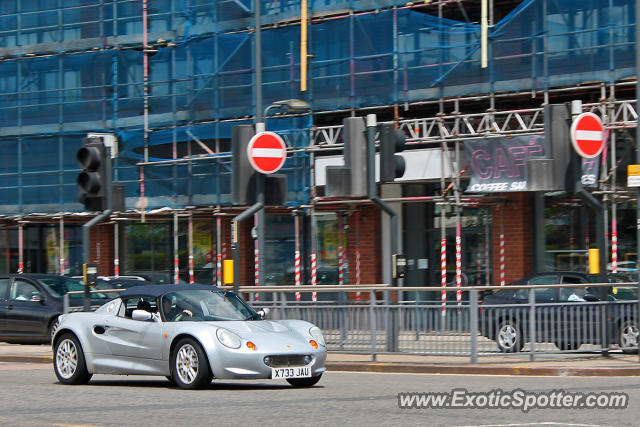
[292, 372]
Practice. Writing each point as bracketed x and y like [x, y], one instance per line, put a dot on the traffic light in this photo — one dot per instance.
[350, 180]
[241, 185]
[93, 180]
[392, 141]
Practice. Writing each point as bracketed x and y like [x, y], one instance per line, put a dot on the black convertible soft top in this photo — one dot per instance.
[157, 290]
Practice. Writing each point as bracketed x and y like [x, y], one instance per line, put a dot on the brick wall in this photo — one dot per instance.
[370, 252]
[516, 214]
[102, 248]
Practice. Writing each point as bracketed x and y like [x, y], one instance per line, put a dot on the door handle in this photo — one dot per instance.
[10, 307]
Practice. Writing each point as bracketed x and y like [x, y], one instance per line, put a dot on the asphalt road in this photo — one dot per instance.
[30, 395]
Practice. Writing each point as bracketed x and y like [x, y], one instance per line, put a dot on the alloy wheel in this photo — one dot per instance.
[507, 336]
[187, 363]
[67, 358]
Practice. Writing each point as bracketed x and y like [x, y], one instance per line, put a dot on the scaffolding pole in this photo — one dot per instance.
[190, 244]
[61, 252]
[176, 254]
[296, 260]
[219, 250]
[116, 249]
[20, 249]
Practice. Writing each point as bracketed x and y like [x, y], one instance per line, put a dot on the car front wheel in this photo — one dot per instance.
[68, 361]
[304, 382]
[189, 365]
[509, 337]
[628, 337]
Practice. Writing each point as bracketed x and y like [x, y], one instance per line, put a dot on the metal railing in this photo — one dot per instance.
[382, 322]
[379, 324]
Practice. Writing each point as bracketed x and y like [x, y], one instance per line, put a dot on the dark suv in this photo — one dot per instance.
[568, 317]
[31, 303]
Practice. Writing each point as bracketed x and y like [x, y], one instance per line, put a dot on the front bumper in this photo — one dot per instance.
[250, 365]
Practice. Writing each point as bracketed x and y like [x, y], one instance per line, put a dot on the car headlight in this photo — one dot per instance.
[316, 333]
[228, 338]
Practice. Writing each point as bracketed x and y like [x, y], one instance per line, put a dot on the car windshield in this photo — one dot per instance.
[206, 305]
[623, 293]
[61, 285]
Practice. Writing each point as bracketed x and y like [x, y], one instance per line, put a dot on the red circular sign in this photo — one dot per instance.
[587, 135]
[267, 152]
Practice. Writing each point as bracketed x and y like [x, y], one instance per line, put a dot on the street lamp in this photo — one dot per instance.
[288, 105]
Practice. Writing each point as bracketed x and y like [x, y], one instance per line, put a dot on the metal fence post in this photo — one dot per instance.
[604, 351]
[372, 319]
[473, 326]
[532, 324]
[65, 303]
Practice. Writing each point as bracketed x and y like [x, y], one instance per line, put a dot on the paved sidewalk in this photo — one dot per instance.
[545, 365]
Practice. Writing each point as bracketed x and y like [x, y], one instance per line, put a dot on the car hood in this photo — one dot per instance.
[252, 326]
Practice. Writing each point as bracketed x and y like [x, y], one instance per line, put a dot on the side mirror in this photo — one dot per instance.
[37, 298]
[141, 315]
[264, 312]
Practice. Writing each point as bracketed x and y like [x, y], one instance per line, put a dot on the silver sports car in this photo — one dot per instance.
[188, 333]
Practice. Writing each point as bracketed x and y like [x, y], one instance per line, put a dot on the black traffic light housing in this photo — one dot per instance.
[93, 180]
[242, 172]
[350, 180]
[392, 141]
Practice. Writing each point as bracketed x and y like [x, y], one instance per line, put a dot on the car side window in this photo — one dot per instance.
[549, 279]
[573, 279]
[544, 294]
[4, 285]
[23, 291]
[137, 303]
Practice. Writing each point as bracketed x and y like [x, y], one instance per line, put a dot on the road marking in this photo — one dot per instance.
[76, 425]
[545, 423]
[477, 375]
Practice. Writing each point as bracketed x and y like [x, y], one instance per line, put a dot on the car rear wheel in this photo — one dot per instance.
[189, 365]
[304, 382]
[68, 361]
[509, 337]
[567, 345]
[628, 337]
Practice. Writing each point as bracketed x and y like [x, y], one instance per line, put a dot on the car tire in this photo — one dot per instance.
[628, 337]
[567, 345]
[69, 362]
[189, 365]
[53, 327]
[509, 337]
[304, 382]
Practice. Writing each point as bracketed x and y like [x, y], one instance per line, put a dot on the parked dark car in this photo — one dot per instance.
[31, 303]
[568, 317]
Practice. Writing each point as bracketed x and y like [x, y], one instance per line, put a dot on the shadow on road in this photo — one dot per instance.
[213, 386]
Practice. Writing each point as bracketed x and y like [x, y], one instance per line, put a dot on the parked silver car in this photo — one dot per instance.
[188, 333]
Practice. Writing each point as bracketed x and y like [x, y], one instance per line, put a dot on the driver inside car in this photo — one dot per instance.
[174, 313]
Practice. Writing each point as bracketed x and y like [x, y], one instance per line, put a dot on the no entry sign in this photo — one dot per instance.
[267, 152]
[587, 135]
